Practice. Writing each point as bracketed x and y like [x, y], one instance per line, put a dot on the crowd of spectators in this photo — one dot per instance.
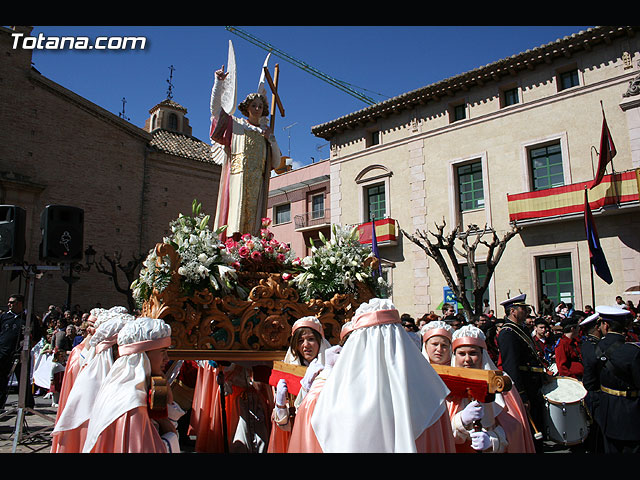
[555, 330]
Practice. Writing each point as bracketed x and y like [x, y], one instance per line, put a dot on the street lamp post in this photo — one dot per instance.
[72, 267]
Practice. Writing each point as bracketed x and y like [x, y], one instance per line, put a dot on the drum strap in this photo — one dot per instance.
[528, 341]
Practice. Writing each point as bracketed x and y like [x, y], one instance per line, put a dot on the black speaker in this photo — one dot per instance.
[12, 241]
[62, 233]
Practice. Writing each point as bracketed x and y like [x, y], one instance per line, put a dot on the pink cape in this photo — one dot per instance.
[206, 416]
[513, 419]
[438, 438]
[68, 441]
[132, 432]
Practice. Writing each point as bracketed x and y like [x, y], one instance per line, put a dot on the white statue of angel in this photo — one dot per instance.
[249, 152]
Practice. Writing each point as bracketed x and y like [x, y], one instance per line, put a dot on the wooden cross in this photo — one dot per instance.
[275, 97]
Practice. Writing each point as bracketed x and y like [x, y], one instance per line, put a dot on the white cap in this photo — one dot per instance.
[607, 312]
[591, 318]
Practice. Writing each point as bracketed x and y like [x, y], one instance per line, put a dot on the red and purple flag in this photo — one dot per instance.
[596, 254]
[607, 152]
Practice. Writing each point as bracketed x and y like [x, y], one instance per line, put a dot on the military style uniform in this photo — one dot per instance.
[593, 442]
[614, 371]
[520, 360]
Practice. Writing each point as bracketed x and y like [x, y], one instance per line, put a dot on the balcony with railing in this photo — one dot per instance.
[316, 219]
[616, 191]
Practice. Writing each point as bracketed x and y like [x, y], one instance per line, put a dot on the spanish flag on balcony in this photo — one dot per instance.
[618, 188]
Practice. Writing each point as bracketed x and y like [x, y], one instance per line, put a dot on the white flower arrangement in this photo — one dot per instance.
[337, 266]
[204, 261]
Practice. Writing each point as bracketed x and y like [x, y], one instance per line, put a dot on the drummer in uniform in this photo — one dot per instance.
[519, 358]
[591, 336]
[615, 370]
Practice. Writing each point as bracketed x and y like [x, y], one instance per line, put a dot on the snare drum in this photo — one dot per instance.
[565, 420]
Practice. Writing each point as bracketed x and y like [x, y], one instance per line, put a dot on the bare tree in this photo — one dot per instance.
[130, 270]
[442, 247]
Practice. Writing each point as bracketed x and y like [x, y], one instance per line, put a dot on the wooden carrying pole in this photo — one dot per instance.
[291, 373]
[482, 385]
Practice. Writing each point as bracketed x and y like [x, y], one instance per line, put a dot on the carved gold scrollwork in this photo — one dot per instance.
[262, 322]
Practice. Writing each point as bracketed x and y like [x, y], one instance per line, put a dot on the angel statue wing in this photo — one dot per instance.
[231, 84]
[227, 104]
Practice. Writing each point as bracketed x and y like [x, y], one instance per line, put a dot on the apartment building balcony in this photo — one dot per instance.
[617, 191]
[386, 235]
[314, 220]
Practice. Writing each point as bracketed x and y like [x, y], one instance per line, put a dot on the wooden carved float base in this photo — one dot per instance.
[258, 328]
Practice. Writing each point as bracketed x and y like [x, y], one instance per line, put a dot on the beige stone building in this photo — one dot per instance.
[512, 142]
[59, 148]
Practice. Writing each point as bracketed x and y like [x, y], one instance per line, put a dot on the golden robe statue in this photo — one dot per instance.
[249, 152]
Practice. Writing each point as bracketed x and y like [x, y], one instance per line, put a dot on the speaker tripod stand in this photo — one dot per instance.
[21, 410]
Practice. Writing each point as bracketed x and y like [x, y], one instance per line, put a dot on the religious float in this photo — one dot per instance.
[236, 299]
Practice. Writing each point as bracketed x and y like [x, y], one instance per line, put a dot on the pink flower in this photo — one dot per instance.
[230, 243]
[246, 237]
[268, 249]
[244, 252]
[249, 244]
[266, 222]
[286, 277]
[283, 247]
[274, 242]
[236, 265]
[265, 233]
[296, 261]
[281, 257]
[256, 255]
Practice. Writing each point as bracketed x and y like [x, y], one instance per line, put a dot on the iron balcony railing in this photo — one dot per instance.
[314, 218]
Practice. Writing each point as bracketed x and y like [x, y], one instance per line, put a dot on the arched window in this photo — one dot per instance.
[173, 121]
[373, 182]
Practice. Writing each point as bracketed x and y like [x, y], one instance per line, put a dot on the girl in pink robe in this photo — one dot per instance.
[70, 430]
[382, 395]
[281, 424]
[505, 420]
[122, 420]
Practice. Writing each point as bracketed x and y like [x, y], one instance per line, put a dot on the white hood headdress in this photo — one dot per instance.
[382, 393]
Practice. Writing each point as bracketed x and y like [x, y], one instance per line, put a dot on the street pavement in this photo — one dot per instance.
[35, 434]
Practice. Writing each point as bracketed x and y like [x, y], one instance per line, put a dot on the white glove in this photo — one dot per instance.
[480, 440]
[314, 368]
[472, 412]
[281, 392]
[331, 356]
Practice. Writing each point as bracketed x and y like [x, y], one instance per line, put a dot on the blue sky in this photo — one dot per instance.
[379, 61]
